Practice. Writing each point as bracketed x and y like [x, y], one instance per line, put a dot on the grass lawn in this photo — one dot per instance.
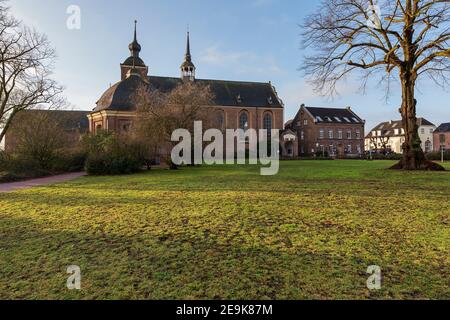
[226, 232]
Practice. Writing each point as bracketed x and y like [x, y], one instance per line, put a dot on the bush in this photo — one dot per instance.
[390, 156]
[322, 154]
[3, 160]
[110, 164]
[110, 154]
[15, 168]
[69, 161]
[436, 156]
[20, 166]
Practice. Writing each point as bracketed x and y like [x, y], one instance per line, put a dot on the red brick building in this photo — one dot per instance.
[336, 132]
[441, 137]
[239, 104]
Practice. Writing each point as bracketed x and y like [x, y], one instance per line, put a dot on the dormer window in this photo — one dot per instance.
[239, 98]
[270, 100]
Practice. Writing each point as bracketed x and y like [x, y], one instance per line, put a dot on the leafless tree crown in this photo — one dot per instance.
[26, 64]
[387, 38]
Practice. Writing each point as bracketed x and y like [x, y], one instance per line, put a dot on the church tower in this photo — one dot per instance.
[188, 68]
[134, 62]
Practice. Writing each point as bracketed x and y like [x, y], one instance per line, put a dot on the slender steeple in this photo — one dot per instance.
[188, 67]
[135, 47]
[188, 56]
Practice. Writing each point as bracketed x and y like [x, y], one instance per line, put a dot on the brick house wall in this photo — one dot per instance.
[346, 138]
[437, 141]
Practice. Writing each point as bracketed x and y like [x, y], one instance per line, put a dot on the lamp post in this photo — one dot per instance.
[442, 141]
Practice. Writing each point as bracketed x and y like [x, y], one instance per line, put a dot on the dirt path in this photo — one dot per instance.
[12, 186]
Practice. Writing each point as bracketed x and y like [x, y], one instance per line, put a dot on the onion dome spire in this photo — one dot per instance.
[135, 47]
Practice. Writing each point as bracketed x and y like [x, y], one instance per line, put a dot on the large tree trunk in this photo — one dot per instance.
[413, 155]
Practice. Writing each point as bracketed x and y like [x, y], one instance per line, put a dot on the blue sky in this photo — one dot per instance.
[254, 40]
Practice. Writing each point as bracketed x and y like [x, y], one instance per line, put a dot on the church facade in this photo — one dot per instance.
[239, 104]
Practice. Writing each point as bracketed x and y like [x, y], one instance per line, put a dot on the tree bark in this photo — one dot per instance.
[413, 156]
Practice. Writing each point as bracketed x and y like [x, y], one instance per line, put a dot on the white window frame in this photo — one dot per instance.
[321, 134]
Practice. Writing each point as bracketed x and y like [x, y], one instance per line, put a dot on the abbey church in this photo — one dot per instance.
[245, 105]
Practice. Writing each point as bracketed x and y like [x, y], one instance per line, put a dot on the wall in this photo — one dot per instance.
[436, 140]
[311, 136]
[427, 135]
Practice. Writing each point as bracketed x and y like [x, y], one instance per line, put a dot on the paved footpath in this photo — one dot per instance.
[12, 186]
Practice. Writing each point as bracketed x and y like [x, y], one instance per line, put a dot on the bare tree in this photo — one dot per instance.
[26, 63]
[146, 130]
[409, 39]
[38, 135]
[380, 143]
[159, 114]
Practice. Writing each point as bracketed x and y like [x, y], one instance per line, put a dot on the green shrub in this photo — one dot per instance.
[20, 166]
[69, 161]
[3, 160]
[390, 156]
[110, 154]
[322, 154]
[436, 156]
[110, 164]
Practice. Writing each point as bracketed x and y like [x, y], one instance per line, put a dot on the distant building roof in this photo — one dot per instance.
[288, 124]
[69, 119]
[445, 127]
[393, 128]
[226, 93]
[424, 122]
[334, 115]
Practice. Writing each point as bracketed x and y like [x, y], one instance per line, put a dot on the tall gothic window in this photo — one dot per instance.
[267, 124]
[268, 121]
[220, 120]
[243, 121]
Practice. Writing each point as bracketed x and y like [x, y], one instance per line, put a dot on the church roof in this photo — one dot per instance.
[226, 93]
[120, 97]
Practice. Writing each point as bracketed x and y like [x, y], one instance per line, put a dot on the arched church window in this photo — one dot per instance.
[243, 121]
[220, 119]
[268, 121]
